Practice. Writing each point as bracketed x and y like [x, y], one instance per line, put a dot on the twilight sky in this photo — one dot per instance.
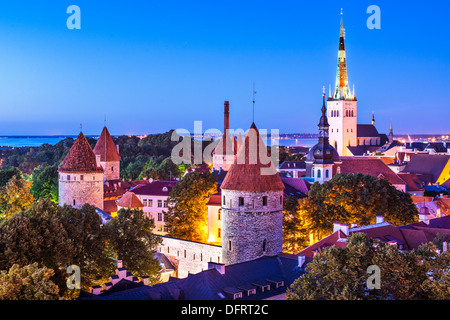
[151, 66]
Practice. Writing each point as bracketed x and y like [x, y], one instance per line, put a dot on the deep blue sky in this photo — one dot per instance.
[155, 65]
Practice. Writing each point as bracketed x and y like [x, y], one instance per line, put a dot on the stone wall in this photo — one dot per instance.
[191, 256]
[112, 170]
[253, 228]
[76, 189]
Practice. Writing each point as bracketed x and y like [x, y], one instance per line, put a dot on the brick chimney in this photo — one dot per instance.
[226, 117]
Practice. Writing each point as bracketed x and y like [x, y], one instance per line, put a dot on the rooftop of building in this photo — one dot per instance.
[80, 158]
[219, 282]
[249, 172]
[106, 148]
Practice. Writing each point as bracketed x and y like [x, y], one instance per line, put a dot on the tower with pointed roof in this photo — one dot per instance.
[252, 204]
[323, 152]
[109, 155]
[342, 105]
[80, 176]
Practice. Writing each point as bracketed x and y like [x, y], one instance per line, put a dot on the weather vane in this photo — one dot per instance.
[254, 92]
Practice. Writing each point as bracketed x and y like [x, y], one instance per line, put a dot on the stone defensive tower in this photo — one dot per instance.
[80, 178]
[252, 204]
[109, 155]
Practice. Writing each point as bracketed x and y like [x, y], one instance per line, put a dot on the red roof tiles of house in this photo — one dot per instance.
[155, 188]
[80, 158]
[106, 148]
[413, 182]
[432, 164]
[129, 200]
[373, 167]
[248, 172]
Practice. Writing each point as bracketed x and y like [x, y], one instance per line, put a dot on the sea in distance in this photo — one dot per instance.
[36, 141]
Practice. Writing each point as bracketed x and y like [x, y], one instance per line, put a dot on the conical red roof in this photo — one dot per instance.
[106, 148]
[80, 158]
[129, 200]
[253, 169]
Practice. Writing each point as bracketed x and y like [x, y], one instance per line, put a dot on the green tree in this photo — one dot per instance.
[7, 173]
[187, 216]
[342, 273]
[37, 235]
[28, 283]
[45, 182]
[295, 236]
[356, 198]
[15, 196]
[131, 238]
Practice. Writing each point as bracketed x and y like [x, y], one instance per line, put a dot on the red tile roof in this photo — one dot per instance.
[432, 164]
[248, 173]
[106, 148]
[373, 167]
[413, 182]
[129, 200]
[155, 188]
[80, 158]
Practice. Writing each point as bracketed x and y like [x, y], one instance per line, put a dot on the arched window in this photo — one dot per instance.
[327, 173]
[318, 173]
[337, 114]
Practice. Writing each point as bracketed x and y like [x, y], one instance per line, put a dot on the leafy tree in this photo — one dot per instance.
[28, 283]
[356, 198]
[187, 216]
[7, 173]
[45, 182]
[37, 235]
[15, 196]
[131, 238]
[295, 236]
[341, 273]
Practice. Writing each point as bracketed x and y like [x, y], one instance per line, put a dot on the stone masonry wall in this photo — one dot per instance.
[251, 230]
[192, 257]
[81, 187]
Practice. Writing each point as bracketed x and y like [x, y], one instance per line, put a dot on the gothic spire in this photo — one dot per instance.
[342, 91]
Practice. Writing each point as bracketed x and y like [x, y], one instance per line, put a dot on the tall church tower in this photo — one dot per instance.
[80, 178]
[252, 204]
[341, 105]
[109, 156]
[322, 169]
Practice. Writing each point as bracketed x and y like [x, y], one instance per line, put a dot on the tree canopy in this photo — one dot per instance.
[343, 273]
[355, 198]
[187, 216]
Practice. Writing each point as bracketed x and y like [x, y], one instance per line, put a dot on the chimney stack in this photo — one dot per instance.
[218, 266]
[226, 117]
[340, 226]
[301, 260]
[380, 219]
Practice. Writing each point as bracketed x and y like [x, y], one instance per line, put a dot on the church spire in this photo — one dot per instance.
[342, 91]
